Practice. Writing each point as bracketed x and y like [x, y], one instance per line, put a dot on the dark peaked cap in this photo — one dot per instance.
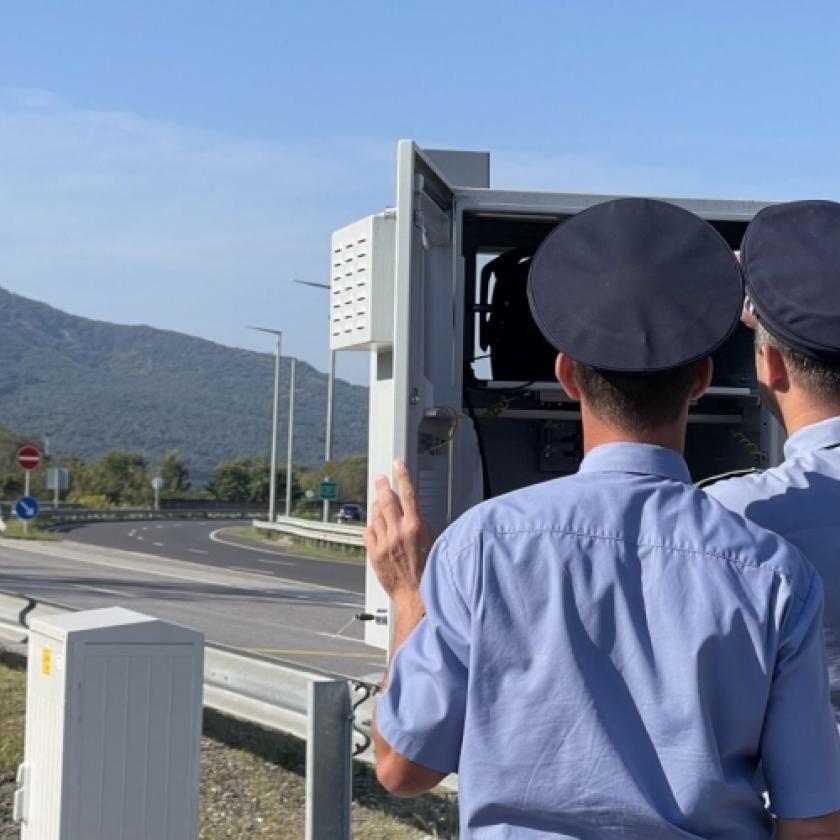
[635, 286]
[791, 259]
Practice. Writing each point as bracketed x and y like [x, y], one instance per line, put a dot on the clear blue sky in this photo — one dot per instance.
[174, 163]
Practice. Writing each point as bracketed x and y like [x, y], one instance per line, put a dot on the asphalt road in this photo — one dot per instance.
[263, 601]
[206, 543]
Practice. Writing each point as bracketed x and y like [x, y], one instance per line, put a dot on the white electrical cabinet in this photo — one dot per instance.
[113, 729]
[362, 284]
[470, 402]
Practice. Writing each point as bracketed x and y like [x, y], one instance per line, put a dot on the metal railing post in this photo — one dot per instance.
[329, 761]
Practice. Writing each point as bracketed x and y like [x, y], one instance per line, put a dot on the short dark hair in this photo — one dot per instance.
[639, 402]
[820, 378]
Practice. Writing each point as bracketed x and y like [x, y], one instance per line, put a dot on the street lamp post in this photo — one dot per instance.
[291, 438]
[272, 479]
[330, 397]
[329, 430]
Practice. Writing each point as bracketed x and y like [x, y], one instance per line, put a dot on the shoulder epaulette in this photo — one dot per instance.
[713, 479]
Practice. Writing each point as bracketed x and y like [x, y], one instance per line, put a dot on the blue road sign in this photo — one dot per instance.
[26, 507]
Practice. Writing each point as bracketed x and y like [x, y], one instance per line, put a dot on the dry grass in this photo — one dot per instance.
[12, 710]
[12, 716]
[254, 785]
[15, 531]
[252, 781]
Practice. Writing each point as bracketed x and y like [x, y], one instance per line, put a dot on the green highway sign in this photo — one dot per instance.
[328, 491]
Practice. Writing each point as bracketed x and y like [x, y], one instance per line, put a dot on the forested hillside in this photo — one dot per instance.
[96, 386]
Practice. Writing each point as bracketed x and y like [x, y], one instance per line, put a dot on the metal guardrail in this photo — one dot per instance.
[311, 706]
[70, 515]
[314, 530]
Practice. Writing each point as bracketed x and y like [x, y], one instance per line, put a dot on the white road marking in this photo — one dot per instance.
[273, 562]
[343, 638]
[159, 545]
[197, 550]
[252, 571]
[140, 538]
[88, 587]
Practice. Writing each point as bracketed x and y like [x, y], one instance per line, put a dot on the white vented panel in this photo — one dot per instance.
[362, 285]
[113, 728]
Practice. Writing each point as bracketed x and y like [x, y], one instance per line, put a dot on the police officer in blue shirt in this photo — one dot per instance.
[612, 654]
[791, 261]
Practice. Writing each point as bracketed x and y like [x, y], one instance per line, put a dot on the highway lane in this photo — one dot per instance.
[206, 543]
[249, 605]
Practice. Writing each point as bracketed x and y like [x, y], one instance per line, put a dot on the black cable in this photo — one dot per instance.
[523, 387]
[482, 453]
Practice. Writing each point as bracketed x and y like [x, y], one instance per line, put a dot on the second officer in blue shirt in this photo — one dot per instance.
[791, 260]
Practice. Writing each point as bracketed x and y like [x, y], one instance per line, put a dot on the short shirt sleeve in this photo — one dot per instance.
[421, 714]
[800, 745]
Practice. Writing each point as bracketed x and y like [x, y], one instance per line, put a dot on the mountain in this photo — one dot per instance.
[96, 386]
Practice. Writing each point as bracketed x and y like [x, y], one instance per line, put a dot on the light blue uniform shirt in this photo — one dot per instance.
[611, 655]
[800, 499]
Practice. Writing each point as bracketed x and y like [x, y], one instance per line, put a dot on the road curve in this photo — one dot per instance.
[207, 543]
[298, 613]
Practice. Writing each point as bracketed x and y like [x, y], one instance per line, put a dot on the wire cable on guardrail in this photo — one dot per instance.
[31, 604]
[368, 690]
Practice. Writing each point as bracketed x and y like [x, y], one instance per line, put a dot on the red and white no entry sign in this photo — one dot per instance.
[28, 457]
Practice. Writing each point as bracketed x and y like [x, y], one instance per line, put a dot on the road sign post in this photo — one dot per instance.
[58, 479]
[28, 458]
[27, 496]
[157, 483]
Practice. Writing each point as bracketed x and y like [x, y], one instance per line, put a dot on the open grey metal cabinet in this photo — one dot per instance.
[474, 410]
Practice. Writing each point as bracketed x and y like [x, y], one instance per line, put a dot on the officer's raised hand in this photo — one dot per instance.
[398, 540]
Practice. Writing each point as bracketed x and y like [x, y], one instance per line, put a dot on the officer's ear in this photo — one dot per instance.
[564, 370]
[702, 378]
[772, 369]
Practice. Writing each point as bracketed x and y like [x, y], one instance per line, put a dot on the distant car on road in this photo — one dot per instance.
[351, 513]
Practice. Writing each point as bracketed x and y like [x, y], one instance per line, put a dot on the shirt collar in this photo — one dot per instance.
[813, 437]
[639, 458]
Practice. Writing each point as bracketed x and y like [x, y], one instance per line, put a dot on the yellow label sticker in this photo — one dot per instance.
[46, 661]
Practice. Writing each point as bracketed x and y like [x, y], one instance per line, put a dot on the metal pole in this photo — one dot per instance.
[26, 493]
[56, 491]
[329, 432]
[272, 480]
[329, 763]
[291, 437]
[157, 497]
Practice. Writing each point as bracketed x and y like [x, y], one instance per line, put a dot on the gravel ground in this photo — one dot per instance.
[252, 782]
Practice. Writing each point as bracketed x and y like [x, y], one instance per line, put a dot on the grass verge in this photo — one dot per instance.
[14, 531]
[252, 781]
[295, 545]
[12, 710]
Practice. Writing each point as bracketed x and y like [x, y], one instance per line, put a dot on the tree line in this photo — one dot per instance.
[120, 478]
